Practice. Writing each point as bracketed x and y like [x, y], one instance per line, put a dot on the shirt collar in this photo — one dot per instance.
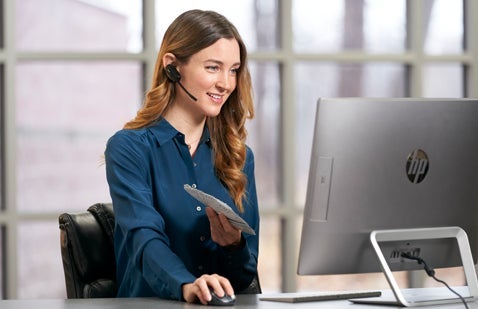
[164, 132]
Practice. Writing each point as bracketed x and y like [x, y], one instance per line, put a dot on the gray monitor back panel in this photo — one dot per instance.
[388, 164]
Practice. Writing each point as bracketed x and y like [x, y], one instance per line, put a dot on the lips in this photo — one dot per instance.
[216, 98]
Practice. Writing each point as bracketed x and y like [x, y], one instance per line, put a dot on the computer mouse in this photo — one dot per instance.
[226, 300]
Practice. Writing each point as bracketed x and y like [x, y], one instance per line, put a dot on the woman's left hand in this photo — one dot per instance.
[222, 231]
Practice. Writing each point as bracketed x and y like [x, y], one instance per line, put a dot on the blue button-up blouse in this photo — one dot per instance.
[162, 235]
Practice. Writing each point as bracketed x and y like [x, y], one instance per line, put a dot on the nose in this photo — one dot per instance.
[224, 82]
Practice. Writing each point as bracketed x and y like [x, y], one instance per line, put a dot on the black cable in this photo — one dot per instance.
[431, 272]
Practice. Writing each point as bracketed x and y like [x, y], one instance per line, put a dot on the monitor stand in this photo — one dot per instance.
[423, 233]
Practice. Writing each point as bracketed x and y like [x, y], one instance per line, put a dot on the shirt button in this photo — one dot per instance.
[193, 186]
[198, 208]
[200, 267]
[202, 238]
[195, 164]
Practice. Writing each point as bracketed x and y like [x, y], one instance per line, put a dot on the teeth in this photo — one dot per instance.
[214, 96]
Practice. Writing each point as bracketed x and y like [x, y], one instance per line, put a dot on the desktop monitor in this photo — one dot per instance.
[379, 164]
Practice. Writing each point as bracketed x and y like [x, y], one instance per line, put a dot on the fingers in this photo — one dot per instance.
[199, 290]
[213, 216]
[222, 231]
[227, 287]
[190, 292]
[222, 286]
[196, 291]
[219, 220]
[214, 219]
[225, 223]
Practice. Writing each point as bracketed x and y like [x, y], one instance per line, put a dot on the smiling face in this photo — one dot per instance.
[211, 76]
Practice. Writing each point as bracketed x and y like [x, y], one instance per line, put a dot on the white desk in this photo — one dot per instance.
[242, 301]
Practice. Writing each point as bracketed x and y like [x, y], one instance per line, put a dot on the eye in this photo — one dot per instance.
[234, 71]
[213, 68]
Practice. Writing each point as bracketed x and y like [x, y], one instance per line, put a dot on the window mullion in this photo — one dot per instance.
[9, 140]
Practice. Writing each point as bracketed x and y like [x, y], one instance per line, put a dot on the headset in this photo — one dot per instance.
[174, 76]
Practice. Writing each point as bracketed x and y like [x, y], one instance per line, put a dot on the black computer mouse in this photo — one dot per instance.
[226, 300]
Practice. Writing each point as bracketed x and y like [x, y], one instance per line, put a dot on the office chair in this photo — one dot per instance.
[253, 288]
[87, 252]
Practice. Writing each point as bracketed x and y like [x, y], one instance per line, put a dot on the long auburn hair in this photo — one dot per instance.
[189, 33]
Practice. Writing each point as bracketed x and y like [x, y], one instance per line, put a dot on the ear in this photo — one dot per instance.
[168, 58]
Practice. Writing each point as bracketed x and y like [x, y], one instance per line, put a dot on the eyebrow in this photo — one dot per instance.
[221, 63]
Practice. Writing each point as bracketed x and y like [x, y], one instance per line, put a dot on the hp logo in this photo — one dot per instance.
[417, 166]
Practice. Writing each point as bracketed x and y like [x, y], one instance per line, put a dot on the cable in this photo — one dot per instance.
[431, 272]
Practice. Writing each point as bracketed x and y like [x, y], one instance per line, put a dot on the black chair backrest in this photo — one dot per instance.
[87, 252]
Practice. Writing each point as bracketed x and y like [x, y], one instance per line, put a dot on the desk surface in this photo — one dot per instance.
[242, 301]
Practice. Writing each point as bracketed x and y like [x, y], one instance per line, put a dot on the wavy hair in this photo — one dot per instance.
[189, 33]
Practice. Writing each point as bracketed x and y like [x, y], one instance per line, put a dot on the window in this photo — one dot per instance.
[62, 124]
[78, 26]
[372, 26]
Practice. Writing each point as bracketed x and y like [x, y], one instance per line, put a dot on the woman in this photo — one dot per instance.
[190, 130]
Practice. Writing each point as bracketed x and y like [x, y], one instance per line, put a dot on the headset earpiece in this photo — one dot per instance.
[174, 76]
[172, 73]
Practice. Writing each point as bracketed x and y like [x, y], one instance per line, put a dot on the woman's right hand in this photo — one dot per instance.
[199, 289]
